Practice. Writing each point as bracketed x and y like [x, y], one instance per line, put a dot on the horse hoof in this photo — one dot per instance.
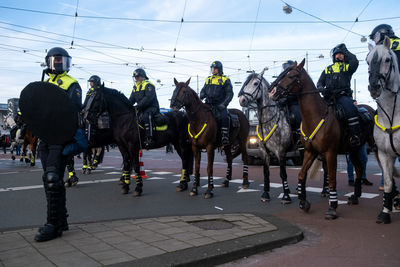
[208, 195]
[193, 193]
[68, 183]
[121, 181]
[245, 184]
[304, 205]
[125, 189]
[286, 199]
[352, 200]
[21, 159]
[383, 218]
[396, 203]
[331, 214]
[325, 193]
[265, 197]
[225, 183]
[13, 157]
[182, 187]
[32, 164]
[137, 193]
[27, 161]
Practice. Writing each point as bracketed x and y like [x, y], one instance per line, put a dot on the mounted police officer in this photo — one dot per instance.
[218, 92]
[292, 102]
[144, 94]
[53, 156]
[91, 118]
[378, 35]
[334, 83]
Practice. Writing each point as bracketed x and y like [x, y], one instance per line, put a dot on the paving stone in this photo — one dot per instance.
[144, 252]
[95, 228]
[73, 259]
[200, 241]
[111, 256]
[87, 247]
[131, 245]
[117, 239]
[186, 236]
[167, 219]
[107, 234]
[12, 241]
[152, 237]
[156, 226]
[128, 228]
[75, 234]
[171, 245]
[171, 231]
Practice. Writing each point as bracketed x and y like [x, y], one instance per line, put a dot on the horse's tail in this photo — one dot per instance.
[314, 169]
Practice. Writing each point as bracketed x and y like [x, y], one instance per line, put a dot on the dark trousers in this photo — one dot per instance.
[148, 125]
[54, 163]
[224, 118]
[351, 113]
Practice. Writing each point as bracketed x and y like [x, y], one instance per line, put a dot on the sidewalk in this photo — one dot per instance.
[166, 241]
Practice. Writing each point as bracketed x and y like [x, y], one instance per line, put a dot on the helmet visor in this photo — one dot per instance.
[59, 63]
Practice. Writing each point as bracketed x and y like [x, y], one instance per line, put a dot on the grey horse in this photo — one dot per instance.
[273, 130]
[384, 83]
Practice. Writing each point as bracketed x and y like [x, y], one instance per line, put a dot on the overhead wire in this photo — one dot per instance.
[252, 35]
[180, 28]
[76, 16]
[356, 20]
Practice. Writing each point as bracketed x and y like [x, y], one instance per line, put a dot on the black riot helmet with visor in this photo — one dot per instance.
[379, 32]
[139, 73]
[287, 64]
[217, 65]
[58, 60]
[95, 80]
[340, 48]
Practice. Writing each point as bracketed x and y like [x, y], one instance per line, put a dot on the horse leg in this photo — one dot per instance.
[265, 196]
[325, 185]
[395, 195]
[387, 166]
[331, 160]
[228, 176]
[282, 166]
[84, 163]
[246, 182]
[210, 158]
[355, 159]
[139, 182]
[126, 171]
[185, 176]
[196, 183]
[12, 150]
[33, 151]
[309, 158]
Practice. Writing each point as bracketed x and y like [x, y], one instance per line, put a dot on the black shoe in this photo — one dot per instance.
[366, 182]
[351, 183]
[355, 141]
[48, 232]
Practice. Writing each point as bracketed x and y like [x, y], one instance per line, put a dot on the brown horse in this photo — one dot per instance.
[30, 141]
[321, 132]
[203, 130]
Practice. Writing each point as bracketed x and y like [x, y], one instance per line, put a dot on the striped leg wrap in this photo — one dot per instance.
[353, 121]
[285, 186]
[333, 202]
[299, 189]
[183, 179]
[245, 170]
[127, 177]
[387, 202]
[211, 181]
[229, 173]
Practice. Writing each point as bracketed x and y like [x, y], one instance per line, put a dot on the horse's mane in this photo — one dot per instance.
[252, 76]
[119, 95]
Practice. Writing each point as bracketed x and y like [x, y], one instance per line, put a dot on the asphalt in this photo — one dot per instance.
[204, 240]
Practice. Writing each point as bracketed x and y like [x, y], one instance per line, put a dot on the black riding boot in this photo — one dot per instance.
[225, 131]
[56, 209]
[149, 142]
[354, 127]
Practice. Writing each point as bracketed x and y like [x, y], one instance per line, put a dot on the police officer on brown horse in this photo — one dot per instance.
[144, 94]
[334, 83]
[218, 92]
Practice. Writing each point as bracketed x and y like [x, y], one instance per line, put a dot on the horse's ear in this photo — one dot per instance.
[262, 73]
[386, 42]
[302, 63]
[176, 82]
[370, 47]
[188, 82]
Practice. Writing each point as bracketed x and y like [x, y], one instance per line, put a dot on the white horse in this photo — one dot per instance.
[9, 123]
[384, 83]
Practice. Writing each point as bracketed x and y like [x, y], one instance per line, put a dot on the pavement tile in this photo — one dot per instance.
[142, 221]
[186, 236]
[152, 237]
[131, 245]
[144, 252]
[75, 234]
[89, 247]
[178, 224]
[110, 256]
[234, 217]
[155, 226]
[171, 245]
[127, 228]
[200, 241]
[171, 231]
[167, 219]
[191, 228]
[73, 259]
[107, 234]
[95, 228]
[11, 241]
[117, 239]
[243, 233]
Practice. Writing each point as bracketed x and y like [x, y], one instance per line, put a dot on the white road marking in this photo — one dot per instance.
[314, 189]
[7, 172]
[239, 181]
[241, 190]
[341, 202]
[206, 178]
[218, 208]
[113, 173]
[273, 185]
[215, 185]
[291, 195]
[162, 173]
[156, 178]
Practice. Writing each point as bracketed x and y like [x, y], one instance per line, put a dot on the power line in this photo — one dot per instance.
[252, 35]
[180, 28]
[356, 20]
[198, 21]
[76, 16]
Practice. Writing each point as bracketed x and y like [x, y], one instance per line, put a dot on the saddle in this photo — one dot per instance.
[159, 122]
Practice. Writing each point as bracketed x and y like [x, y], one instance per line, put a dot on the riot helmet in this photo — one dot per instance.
[95, 80]
[340, 48]
[379, 32]
[58, 60]
[140, 73]
[287, 64]
[217, 65]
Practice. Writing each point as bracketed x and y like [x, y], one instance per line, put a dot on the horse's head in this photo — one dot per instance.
[288, 82]
[252, 89]
[180, 97]
[8, 121]
[382, 68]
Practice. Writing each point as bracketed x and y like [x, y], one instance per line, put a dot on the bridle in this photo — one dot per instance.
[179, 103]
[255, 92]
[284, 91]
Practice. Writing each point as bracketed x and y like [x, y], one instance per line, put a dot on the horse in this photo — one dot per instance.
[127, 133]
[321, 134]
[274, 130]
[384, 83]
[28, 141]
[92, 158]
[202, 129]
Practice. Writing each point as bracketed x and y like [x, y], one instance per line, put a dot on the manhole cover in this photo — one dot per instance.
[216, 224]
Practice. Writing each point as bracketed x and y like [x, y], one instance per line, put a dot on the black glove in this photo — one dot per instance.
[221, 106]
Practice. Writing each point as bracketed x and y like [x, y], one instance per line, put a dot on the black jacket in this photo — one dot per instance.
[217, 90]
[336, 78]
[144, 94]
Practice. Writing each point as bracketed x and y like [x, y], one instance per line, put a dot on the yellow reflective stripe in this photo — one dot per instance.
[197, 135]
[64, 77]
[336, 68]
[313, 133]
[140, 86]
[269, 134]
[394, 128]
[215, 79]
[391, 44]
